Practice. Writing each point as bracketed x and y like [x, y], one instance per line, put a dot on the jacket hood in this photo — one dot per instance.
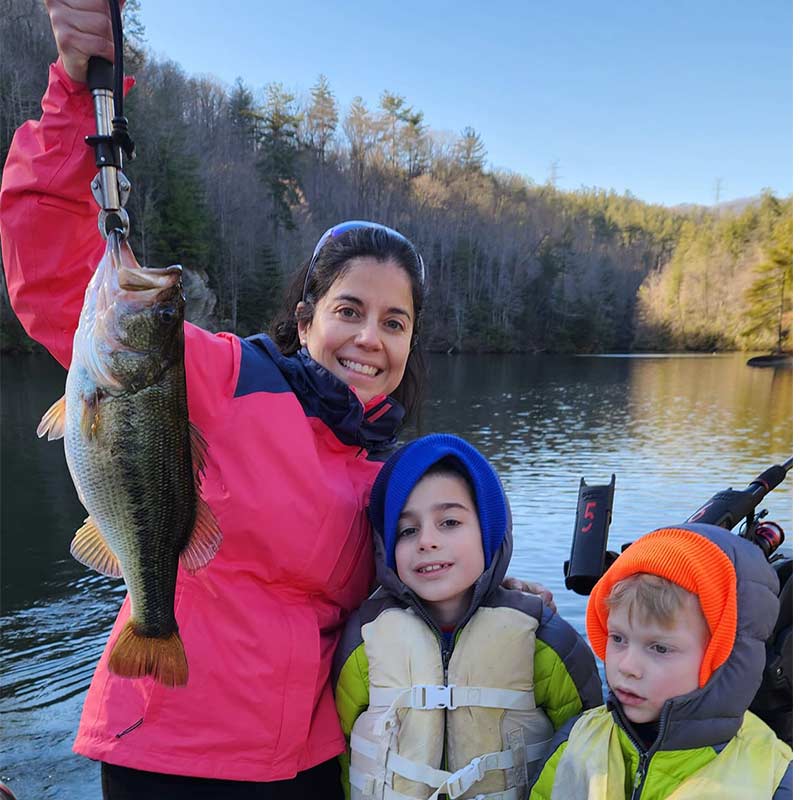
[740, 606]
[394, 484]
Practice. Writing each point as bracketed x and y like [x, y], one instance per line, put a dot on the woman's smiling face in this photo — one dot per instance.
[362, 327]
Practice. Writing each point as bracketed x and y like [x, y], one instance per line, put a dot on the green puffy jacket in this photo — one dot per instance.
[754, 764]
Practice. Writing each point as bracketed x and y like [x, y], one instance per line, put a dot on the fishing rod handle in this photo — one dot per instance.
[100, 74]
[772, 476]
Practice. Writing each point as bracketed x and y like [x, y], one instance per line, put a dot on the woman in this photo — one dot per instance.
[296, 428]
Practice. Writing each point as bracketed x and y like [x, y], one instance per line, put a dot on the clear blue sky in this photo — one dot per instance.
[661, 97]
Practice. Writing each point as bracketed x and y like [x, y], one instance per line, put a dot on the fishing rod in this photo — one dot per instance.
[730, 506]
[110, 187]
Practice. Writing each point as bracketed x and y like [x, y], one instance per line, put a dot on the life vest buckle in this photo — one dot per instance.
[466, 777]
[431, 696]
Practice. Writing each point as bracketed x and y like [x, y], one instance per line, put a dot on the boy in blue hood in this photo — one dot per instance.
[446, 682]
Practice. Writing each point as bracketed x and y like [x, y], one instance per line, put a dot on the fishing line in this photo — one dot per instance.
[120, 133]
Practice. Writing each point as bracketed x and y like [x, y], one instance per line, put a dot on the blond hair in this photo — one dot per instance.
[650, 598]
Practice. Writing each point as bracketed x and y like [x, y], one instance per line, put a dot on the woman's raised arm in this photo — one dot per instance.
[48, 217]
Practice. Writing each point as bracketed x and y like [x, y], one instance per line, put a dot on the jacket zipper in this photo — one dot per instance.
[446, 653]
[641, 767]
[638, 779]
[644, 757]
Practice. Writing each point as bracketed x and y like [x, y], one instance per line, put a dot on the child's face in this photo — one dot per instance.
[439, 550]
[648, 663]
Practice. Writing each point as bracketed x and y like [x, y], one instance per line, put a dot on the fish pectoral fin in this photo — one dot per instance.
[54, 420]
[91, 549]
[90, 414]
[205, 540]
[199, 448]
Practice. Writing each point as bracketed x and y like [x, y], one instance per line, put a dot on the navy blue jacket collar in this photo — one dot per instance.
[325, 396]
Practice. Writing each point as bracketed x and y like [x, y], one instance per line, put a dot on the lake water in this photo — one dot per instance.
[674, 430]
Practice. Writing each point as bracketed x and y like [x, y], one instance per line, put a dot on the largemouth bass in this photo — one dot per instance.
[133, 455]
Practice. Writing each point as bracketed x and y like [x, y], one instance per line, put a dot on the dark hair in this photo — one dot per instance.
[452, 467]
[333, 261]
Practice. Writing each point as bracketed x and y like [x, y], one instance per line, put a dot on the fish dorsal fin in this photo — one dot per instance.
[91, 549]
[205, 540]
[54, 420]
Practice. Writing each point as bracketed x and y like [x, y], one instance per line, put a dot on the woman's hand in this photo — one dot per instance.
[82, 29]
[531, 587]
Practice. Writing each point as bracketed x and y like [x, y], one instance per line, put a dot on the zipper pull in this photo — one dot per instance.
[638, 778]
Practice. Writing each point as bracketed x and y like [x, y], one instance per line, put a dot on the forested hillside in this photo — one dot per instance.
[237, 183]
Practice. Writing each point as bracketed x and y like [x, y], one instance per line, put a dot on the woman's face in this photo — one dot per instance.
[362, 327]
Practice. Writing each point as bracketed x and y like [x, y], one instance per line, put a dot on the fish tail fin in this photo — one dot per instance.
[163, 658]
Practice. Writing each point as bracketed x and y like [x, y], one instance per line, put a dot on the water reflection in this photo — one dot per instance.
[674, 430]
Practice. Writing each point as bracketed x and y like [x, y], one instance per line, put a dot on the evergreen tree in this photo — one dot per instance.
[392, 119]
[470, 151]
[414, 141]
[361, 132]
[770, 296]
[243, 115]
[278, 155]
[321, 118]
[261, 292]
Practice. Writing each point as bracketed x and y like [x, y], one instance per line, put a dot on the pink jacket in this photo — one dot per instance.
[287, 476]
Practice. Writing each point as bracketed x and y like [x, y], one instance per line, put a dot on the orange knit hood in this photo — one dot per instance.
[689, 560]
[738, 593]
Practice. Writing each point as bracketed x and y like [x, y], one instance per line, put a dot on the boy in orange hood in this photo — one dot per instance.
[680, 620]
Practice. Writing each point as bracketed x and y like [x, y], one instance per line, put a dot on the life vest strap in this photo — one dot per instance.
[455, 784]
[429, 697]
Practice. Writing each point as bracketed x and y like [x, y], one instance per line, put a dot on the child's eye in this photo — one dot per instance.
[450, 523]
[407, 531]
[661, 649]
[615, 637]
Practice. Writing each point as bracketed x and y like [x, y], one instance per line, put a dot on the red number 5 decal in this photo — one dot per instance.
[588, 514]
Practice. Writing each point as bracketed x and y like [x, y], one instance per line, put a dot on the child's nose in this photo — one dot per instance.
[631, 663]
[428, 538]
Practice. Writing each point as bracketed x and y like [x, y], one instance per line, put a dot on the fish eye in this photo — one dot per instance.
[167, 314]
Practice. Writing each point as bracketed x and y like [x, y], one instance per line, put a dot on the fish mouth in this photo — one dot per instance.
[139, 279]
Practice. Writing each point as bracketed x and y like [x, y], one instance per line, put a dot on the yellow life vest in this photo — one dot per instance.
[481, 720]
[750, 767]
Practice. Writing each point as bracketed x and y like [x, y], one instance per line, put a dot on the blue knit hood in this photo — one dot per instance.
[401, 473]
